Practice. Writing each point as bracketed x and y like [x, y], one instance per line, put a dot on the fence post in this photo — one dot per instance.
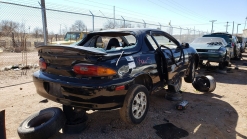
[92, 19]
[144, 23]
[180, 33]
[124, 21]
[44, 21]
[188, 34]
[160, 25]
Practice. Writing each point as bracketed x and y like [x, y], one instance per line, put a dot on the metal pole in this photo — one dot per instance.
[180, 33]
[160, 25]
[92, 19]
[188, 35]
[227, 26]
[60, 29]
[124, 21]
[144, 23]
[233, 28]
[237, 28]
[245, 22]
[212, 25]
[194, 32]
[114, 15]
[44, 21]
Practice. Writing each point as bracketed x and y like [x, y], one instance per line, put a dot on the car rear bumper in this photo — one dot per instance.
[73, 92]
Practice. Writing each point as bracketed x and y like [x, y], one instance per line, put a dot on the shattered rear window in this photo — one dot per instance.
[110, 43]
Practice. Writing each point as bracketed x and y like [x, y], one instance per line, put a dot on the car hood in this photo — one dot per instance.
[205, 46]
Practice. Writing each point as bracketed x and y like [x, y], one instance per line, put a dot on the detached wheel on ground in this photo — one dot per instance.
[135, 106]
[192, 71]
[206, 84]
[42, 125]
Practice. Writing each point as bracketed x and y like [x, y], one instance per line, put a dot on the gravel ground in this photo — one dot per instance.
[218, 115]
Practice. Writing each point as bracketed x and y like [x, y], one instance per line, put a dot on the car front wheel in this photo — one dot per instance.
[135, 106]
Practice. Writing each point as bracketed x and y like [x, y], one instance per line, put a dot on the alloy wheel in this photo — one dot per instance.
[139, 105]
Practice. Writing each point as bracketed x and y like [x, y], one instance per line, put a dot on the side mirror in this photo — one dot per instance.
[185, 45]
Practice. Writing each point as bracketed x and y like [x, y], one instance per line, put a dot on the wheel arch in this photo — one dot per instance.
[144, 79]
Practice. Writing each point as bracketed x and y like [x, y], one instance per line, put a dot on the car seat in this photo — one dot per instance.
[112, 42]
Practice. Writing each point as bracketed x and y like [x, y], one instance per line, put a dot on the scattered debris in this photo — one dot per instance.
[20, 67]
[20, 88]
[166, 120]
[228, 130]
[44, 101]
[221, 71]
[182, 105]
[167, 112]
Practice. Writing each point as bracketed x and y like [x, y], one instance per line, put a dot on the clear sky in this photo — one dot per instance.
[182, 13]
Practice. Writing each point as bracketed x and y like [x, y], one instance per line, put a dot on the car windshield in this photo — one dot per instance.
[72, 36]
[210, 40]
[111, 42]
[161, 40]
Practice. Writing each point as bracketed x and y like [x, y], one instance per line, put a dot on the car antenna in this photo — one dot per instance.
[119, 57]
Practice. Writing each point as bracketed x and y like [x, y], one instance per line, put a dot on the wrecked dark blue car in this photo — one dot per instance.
[115, 69]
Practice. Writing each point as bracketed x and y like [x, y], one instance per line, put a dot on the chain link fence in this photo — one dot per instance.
[21, 28]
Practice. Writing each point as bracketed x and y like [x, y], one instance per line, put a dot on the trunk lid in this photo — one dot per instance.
[61, 59]
[205, 46]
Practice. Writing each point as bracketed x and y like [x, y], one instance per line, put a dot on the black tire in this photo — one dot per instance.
[190, 77]
[239, 56]
[206, 84]
[134, 93]
[76, 120]
[42, 125]
[222, 65]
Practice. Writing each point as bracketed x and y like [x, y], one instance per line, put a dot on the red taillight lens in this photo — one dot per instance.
[42, 64]
[92, 70]
[232, 44]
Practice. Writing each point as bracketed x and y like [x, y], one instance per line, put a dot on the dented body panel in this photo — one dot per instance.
[59, 83]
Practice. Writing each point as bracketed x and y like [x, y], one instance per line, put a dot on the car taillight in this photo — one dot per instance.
[92, 70]
[42, 64]
[232, 44]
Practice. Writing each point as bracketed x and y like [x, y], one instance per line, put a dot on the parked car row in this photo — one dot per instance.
[218, 47]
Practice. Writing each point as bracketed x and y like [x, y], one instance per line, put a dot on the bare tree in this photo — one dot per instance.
[65, 30]
[37, 32]
[9, 26]
[78, 26]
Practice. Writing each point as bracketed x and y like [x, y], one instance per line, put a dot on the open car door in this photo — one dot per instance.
[170, 58]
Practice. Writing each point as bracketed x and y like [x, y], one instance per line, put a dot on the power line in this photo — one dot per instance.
[171, 10]
[187, 9]
[178, 9]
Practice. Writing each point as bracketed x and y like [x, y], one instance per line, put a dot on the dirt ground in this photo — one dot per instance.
[218, 115]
